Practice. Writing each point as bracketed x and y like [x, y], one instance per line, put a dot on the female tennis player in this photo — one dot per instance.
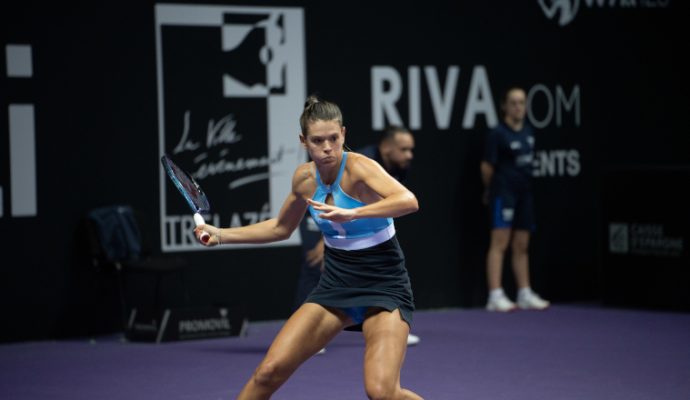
[365, 285]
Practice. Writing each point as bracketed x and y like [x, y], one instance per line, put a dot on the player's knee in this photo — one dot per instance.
[380, 390]
[268, 375]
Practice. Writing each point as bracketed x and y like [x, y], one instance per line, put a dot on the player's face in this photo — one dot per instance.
[516, 105]
[324, 141]
[400, 151]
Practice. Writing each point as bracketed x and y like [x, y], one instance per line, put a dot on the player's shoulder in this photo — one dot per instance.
[303, 176]
[357, 158]
[304, 171]
[355, 155]
[361, 164]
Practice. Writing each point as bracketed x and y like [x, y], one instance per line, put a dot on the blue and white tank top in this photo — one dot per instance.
[352, 235]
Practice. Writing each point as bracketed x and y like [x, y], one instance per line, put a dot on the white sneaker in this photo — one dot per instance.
[532, 301]
[412, 339]
[500, 304]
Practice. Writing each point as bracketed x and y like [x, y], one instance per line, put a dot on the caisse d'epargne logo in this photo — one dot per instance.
[231, 84]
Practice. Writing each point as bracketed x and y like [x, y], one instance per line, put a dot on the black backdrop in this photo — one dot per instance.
[606, 91]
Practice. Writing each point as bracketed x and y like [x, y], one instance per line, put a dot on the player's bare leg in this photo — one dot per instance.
[385, 334]
[306, 332]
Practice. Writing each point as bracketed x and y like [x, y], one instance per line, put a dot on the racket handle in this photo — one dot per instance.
[199, 220]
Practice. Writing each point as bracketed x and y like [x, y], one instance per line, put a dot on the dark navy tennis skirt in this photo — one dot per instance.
[371, 277]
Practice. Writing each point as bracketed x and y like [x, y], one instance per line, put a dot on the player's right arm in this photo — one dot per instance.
[270, 230]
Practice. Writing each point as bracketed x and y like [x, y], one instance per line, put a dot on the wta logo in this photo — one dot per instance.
[564, 10]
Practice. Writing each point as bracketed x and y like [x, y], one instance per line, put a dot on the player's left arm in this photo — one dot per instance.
[396, 199]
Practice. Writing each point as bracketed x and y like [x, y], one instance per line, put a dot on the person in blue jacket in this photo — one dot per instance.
[506, 171]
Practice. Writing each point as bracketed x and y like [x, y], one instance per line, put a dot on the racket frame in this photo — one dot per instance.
[170, 167]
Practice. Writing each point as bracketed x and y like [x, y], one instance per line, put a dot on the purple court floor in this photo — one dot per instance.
[567, 352]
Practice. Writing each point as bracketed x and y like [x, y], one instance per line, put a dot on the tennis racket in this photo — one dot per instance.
[191, 191]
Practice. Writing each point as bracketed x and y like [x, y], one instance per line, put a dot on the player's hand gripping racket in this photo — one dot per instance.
[190, 190]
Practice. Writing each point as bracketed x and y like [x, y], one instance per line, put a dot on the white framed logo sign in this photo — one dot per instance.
[231, 86]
